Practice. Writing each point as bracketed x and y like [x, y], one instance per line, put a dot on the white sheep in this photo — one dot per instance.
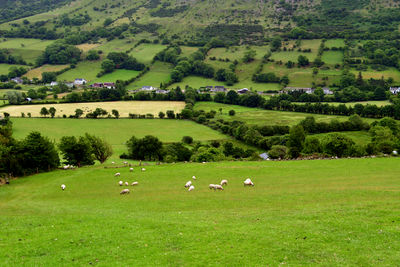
[191, 188]
[188, 184]
[224, 182]
[219, 187]
[212, 186]
[112, 162]
[125, 163]
[194, 177]
[126, 183]
[135, 183]
[63, 187]
[125, 191]
[131, 169]
[117, 174]
[143, 169]
[248, 182]
[66, 167]
[121, 183]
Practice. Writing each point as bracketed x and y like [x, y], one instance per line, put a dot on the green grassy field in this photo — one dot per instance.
[116, 132]
[37, 72]
[332, 57]
[390, 72]
[5, 68]
[299, 213]
[286, 56]
[28, 49]
[85, 69]
[359, 137]
[334, 43]
[261, 116]
[160, 72]
[145, 52]
[117, 75]
[116, 45]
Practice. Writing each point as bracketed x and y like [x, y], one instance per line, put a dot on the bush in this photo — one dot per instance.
[232, 112]
[187, 139]
[278, 152]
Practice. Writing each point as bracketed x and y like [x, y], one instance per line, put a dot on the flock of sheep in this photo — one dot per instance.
[189, 185]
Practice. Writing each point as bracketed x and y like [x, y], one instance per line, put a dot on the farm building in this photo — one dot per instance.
[17, 80]
[80, 81]
[147, 88]
[217, 89]
[395, 90]
[243, 91]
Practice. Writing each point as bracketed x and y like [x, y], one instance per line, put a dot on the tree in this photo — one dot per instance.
[232, 112]
[187, 139]
[108, 65]
[44, 112]
[277, 152]
[276, 43]
[296, 141]
[312, 145]
[336, 144]
[303, 61]
[60, 52]
[78, 113]
[249, 55]
[48, 77]
[75, 151]
[161, 115]
[115, 113]
[52, 112]
[14, 97]
[170, 114]
[147, 148]
[107, 22]
[39, 153]
[93, 55]
[100, 148]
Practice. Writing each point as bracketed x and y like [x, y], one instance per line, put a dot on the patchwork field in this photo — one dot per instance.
[5, 68]
[124, 107]
[258, 116]
[117, 75]
[328, 212]
[159, 73]
[145, 52]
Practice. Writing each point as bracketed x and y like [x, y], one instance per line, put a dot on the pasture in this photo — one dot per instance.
[334, 43]
[116, 132]
[332, 57]
[145, 52]
[160, 72]
[124, 108]
[117, 75]
[5, 68]
[322, 212]
[257, 116]
[84, 69]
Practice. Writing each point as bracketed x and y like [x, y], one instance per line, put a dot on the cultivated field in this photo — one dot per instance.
[300, 213]
[123, 107]
[37, 72]
[261, 116]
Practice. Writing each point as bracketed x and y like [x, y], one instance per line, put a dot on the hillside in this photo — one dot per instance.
[195, 21]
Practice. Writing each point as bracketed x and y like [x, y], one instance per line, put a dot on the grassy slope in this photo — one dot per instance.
[159, 73]
[84, 69]
[116, 132]
[5, 68]
[37, 72]
[117, 75]
[331, 212]
[261, 116]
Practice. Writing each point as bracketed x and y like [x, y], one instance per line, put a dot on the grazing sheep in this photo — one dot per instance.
[224, 182]
[112, 162]
[248, 182]
[131, 169]
[212, 186]
[143, 169]
[191, 188]
[125, 163]
[66, 167]
[125, 191]
[63, 187]
[121, 183]
[188, 184]
[126, 183]
[117, 174]
[135, 183]
[219, 187]
[194, 177]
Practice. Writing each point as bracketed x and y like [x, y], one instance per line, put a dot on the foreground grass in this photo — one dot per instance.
[339, 212]
[261, 116]
[116, 132]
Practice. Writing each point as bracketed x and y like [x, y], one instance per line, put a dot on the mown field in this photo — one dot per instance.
[328, 212]
[116, 132]
[37, 72]
[123, 107]
[261, 116]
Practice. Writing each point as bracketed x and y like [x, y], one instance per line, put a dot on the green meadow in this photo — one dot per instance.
[117, 75]
[84, 69]
[299, 213]
[159, 73]
[5, 68]
[116, 132]
[257, 116]
[145, 52]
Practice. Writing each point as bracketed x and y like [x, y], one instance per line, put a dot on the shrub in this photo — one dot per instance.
[187, 139]
[278, 152]
[232, 112]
